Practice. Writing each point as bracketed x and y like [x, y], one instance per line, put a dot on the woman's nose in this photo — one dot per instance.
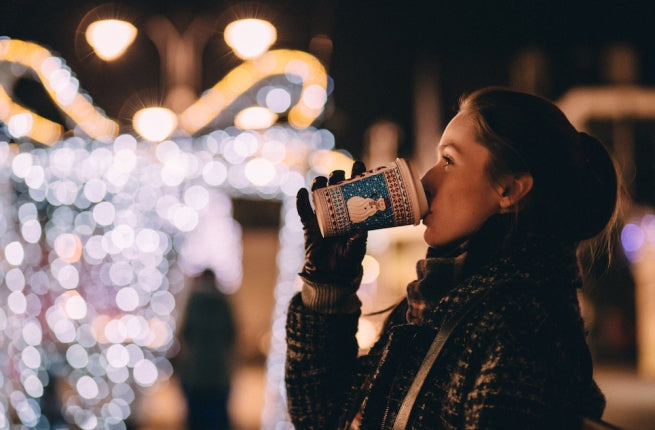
[429, 182]
[429, 179]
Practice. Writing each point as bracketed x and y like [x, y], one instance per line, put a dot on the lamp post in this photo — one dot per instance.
[181, 54]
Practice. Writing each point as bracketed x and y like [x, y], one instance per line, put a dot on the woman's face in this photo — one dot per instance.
[461, 196]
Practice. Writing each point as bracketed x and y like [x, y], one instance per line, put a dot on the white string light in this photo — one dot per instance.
[113, 222]
[97, 235]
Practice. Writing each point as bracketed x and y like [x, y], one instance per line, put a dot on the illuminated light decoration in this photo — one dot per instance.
[367, 334]
[131, 206]
[276, 99]
[326, 161]
[300, 67]
[638, 241]
[371, 269]
[638, 237]
[249, 38]
[632, 239]
[155, 123]
[42, 129]
[62, 88]
[106, 299]
[110, 38]
[127, 223]
[255, 118]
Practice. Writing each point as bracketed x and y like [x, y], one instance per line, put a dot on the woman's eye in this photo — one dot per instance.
[447, 160]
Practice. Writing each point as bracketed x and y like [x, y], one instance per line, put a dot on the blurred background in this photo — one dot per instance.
[127, 169]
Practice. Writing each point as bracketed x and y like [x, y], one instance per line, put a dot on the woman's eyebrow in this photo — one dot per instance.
[451, 146]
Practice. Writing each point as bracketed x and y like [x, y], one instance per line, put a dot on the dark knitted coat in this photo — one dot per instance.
[519, 361]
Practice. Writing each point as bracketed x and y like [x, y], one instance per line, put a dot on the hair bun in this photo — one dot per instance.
[594, 194]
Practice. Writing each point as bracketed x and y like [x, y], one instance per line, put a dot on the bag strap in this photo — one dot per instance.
[433, 352]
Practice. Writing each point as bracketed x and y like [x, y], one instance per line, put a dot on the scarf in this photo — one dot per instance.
[490, 248]
[435, 276]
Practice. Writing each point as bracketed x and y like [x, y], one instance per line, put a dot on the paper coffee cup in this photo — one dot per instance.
[387, 196]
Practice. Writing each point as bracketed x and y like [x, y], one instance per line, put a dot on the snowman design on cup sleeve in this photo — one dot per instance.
[361, 208]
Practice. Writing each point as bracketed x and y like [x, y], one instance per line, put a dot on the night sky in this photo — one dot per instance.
[376, 47]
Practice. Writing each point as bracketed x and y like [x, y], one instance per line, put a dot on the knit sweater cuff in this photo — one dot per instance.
[331, 298]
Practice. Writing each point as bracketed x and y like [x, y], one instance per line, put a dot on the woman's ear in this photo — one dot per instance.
[514, 188]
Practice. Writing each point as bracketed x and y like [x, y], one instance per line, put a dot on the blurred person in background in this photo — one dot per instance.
[516, 193]
[205, 362]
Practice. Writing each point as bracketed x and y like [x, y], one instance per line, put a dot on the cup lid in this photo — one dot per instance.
[415, 189]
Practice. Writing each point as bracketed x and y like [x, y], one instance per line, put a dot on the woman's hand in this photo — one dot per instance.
[332, 259]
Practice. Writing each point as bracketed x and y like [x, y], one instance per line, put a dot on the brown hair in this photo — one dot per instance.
[575, 191]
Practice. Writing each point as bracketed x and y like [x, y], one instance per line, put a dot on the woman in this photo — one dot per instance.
[514, 192]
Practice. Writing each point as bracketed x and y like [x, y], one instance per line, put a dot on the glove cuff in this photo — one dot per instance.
[331, 297]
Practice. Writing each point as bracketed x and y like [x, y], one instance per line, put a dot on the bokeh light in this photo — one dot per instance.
[638, 237]
[119, 227]
[61, 86]
[371, 269]
[110, 37]
[99, 233]
[250, 38]
[155, 123]
[255, 118]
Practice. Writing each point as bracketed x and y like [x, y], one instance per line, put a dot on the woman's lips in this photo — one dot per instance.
[428, 197]
[425, 217]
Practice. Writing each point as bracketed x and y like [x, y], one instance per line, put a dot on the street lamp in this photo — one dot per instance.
[180, 52]
[180, 57]
[155, 124]
[109, 38]
[249, 38]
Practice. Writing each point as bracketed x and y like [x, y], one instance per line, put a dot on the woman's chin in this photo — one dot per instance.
[427, 238]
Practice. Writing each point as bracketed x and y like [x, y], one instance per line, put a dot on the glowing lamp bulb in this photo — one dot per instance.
[155, 123]
[249, 38]
[109, 38]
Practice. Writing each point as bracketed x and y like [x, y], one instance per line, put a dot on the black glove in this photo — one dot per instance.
[333, 259]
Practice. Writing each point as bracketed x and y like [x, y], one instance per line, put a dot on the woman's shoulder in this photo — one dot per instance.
[530, 307]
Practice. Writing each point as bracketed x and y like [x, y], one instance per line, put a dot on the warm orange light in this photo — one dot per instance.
[155, 123]
[255, 118]
[109, 38]
[250, 38]
[61, 88]
[371, 269]
[325, 161]
[297, 65]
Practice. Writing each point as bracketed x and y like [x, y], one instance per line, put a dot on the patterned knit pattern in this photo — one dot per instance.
[435, 277]
[519, 362]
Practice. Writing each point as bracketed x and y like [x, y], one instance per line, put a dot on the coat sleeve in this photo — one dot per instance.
[320, 366]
